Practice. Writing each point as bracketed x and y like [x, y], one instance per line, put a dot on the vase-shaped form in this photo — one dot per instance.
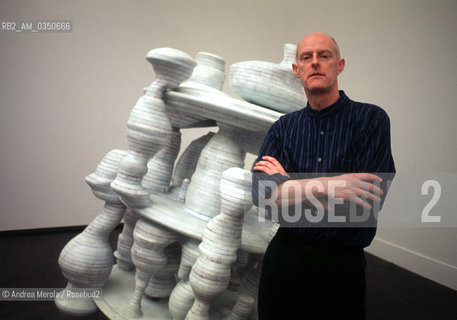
[148, 256]
[221, 152]
[221, 240]
[289, 53]
[162, 282]
[160, 167]
[209, 72]
[86, 261]
[207, 79]
[125, 241]
[267, 84]
[148, 127]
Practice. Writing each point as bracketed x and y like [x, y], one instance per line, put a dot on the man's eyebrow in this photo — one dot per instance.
[318, 51]
[304, 53]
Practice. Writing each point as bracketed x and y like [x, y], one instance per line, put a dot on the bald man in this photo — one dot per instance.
[334, 149]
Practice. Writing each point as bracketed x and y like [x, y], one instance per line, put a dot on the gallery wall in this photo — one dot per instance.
[65, 97]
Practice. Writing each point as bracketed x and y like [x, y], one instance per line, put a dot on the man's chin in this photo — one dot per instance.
[317, 91]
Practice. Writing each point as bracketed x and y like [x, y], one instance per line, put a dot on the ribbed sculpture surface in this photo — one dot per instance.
[125, 241]
[269, 84]
[148, 127]
[149, 257]
[182, 297]
[221, 240]
[188, 215]
[86, 260]
[220, 153]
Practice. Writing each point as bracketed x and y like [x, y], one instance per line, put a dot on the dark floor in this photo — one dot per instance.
[29, 260]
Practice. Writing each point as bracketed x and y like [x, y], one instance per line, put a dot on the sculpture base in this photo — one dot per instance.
[118, 292]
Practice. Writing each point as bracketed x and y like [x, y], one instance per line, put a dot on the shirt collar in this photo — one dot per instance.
[330, 109]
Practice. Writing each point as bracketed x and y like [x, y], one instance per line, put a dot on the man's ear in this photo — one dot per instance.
[341, 65]
[295, 69]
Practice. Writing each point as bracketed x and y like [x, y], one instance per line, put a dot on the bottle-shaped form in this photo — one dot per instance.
[163, 281]
[148, 126]
[267, 84]
[150, 240]
[209, 72]
[221, 239]
[222, 152]
[125, 241]
[207, 79]
[289, 52]
[86, 261]
[160, 167]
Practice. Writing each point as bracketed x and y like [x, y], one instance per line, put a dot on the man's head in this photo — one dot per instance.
[318, 64]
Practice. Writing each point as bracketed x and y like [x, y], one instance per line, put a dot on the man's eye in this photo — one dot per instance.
[305, 58]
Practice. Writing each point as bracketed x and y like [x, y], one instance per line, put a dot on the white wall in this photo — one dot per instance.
[65, 98]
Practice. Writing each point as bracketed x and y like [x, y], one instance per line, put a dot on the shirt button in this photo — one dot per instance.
[319, 159]
[322, 133]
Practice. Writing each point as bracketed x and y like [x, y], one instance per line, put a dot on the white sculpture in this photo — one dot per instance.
[149, 257]
[125, 241]
[148, 128]
[86, 261]
[193, 215]
[268, 84]
[182, 298]
[210, 274]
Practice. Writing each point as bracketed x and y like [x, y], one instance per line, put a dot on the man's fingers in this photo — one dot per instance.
[267, 164]
[272, 160]
[263, 169]
[359, 201]
[264, 166]
[371, 187]
[367, 176]
[367, 195]
[263, 163]
[270, 165]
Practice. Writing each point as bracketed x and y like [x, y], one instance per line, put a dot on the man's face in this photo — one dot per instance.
[318, 64]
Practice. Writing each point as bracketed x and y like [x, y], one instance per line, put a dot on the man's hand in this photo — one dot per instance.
[270, 166]
[354, 187]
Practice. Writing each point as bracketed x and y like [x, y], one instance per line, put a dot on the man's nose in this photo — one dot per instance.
[315, 60]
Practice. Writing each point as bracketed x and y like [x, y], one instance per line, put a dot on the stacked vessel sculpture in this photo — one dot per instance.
[191, 246]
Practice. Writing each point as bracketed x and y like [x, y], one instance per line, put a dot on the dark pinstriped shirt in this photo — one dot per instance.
[346, 137]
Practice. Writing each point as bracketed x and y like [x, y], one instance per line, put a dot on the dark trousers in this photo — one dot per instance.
[301, 281]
